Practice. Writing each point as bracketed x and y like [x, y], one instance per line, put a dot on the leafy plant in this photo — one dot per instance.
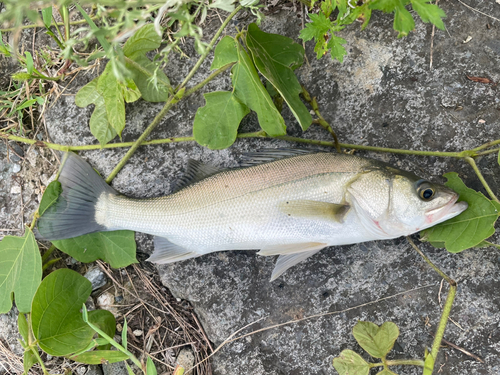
[322, 29]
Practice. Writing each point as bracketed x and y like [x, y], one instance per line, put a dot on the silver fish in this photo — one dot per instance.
[290, 203]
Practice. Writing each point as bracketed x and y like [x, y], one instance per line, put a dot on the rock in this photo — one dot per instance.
[106, 302]
[117, 368]
[9, 337]
[97, 277]
[384, 94]
[16, 189]
[94, 370]
[16, 168]
[185, 358]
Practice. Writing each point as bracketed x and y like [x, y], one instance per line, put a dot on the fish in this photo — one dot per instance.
[291, 203]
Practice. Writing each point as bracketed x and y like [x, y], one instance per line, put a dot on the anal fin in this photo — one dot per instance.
[168, 252]
[291, 248]
[284, 262]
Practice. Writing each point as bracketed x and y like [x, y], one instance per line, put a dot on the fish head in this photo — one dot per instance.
[393, 203]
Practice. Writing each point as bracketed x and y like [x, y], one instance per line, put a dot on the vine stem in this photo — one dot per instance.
[473, 164]
[444, 315]
[173, 99]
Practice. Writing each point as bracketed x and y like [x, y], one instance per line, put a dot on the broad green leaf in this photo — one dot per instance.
[386, 6]
[50, 196]
[471, 227]
[29, 359]
[47, 16]
[56, 319]
[130, 91]
[249, 89]
[154, 87]
[144, 40]
[22, 326]
[150, 367]
[109, 87]
[225, 53]
[377, 341]
[350, 363]
[116, 248]
[276, 57]
[403, 21]
[99, 124]
[337, 51]
[20, 271]
[97, 357]
[216, 124]
[106, 321]
[429, 12]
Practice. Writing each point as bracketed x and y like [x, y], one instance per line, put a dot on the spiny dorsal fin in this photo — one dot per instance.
[315, 210]
[168, 252]
[284, 262]
[268, 155]
[195, 171]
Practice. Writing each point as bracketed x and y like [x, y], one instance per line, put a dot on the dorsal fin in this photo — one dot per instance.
[268, 155]
[195, 171]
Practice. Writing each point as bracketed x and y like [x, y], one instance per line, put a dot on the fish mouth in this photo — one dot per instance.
[446, 212]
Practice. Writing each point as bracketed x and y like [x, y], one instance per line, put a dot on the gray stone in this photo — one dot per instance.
[117, 368]
[97, 277]
[384, 94]
[94, 370]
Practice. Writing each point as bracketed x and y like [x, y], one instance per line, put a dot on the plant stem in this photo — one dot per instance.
[446, 309]
[473, 164]
[212, 75]
[410, 362]
[48, 253]
[23, 27]
[171, 100]
[209, 48]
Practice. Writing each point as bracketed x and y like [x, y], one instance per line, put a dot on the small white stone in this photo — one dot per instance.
[469, 38]
[16, 168]
[16, 189]
[481, 121]
[137, 332]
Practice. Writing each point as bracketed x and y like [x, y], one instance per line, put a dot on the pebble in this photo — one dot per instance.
[185, 358]
[16, 168]
[96, 277]
[16, 189]
[137, 332]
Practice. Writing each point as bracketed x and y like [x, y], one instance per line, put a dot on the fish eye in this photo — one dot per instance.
[425, 190]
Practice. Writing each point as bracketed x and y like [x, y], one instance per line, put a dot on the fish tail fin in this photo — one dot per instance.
[74, 212]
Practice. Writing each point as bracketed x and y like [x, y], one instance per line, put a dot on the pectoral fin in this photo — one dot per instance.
[315, 210]
[284, 262]
[168, 252]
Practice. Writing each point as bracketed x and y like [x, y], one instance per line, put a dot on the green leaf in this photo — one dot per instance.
[47, 16]
[109, 87]
[316, 29]
[377, 341]
[276, 57]
[124, 333]
[429, 364]
[29, 62]
[351, 363]
[154, 88]
[102, 41]
[22, 326]
[50, 196]
[116, 248]
[144, 40]
[387, 6]
[386, 372]
[337, 51]
[225, 53]
[129, 90]
[106, 321]
[29, 359]
[26, 104]
[429, 12]
[99, 124]
[249, 89]
[150, 367]
[20, 271]
[129, 370]
[227, 5]
[56, 319]
[471, 227]
[216, 124]
[97, 357]
[403, 21]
